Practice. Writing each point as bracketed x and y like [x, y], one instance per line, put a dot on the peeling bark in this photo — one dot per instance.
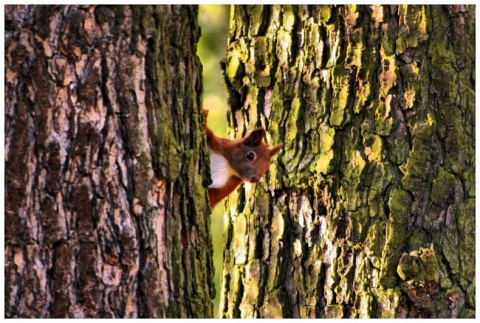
[106, 208]
[369, 210]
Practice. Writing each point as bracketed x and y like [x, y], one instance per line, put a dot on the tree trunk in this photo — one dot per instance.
[369, 210]
[106, 207]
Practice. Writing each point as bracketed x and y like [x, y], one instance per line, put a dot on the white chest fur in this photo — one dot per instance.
[220, 169]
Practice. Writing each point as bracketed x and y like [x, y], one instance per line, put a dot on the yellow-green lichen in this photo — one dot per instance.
[340, 82]
[375, 241]
[272, 306]
[351, 15]
[277, 230]
[255, 20]
[288, 17]
[400, 207]
[382, 177]
[261, 52]
[388, 79]
[324, 14]
[419, 269]
[359, 225]
[350, 184]
[411, 76]
[430, 264]
[412, 27]
[410, 268]
[416, 169]
[443, 187]
[444, 75]
[362, 92]
[355, 48]
[466, 225]
[170, 163]
[284, 42]
[233, 63]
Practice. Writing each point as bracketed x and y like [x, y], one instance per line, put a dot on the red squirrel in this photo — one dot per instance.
[233, 162]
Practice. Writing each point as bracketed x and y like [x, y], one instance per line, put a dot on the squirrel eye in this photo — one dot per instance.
[250, 156]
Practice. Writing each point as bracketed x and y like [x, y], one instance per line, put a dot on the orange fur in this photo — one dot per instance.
[236, 153]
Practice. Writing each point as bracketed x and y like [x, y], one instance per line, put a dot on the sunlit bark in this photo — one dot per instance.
[369, 210]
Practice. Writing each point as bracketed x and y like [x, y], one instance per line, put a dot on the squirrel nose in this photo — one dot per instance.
[254, 179]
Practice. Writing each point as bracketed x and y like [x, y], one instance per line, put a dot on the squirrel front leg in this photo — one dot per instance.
[219, 167]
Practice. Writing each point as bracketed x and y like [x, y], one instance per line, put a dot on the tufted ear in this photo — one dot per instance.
[254, 138]
[275, 149]
[205, 115]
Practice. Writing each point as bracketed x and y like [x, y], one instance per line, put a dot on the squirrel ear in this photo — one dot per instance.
[275, 149]
[254, 138]
[205, 115]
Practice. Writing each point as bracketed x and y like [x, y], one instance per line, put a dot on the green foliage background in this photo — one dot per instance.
[214, 22]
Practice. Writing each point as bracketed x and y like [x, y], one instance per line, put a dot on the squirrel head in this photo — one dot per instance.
[250, 157]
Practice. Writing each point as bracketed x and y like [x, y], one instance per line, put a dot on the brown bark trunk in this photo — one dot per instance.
[369, 210]
[106, 209]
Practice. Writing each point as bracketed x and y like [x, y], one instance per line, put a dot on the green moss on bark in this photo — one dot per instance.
[374, 168]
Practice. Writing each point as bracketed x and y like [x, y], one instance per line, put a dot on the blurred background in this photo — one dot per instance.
[214, 21]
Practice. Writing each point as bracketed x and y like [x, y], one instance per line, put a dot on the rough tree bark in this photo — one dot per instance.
[106, 208]
[369, 211]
